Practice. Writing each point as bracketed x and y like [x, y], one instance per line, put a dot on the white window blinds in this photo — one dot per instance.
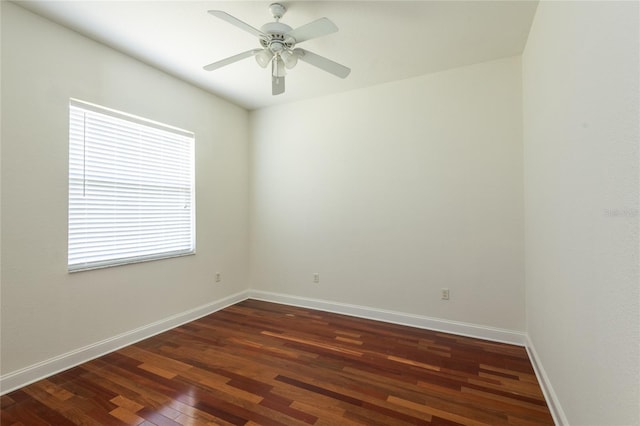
[131, 189]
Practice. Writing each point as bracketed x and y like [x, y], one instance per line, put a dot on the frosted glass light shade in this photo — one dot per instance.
[263, 58]
[290, 59]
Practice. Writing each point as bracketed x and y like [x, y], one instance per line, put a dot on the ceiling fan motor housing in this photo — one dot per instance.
[276, 40]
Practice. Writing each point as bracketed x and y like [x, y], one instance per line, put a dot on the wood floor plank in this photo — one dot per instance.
[260, 363]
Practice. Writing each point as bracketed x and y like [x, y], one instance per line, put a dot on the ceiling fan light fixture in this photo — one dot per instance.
[264, 57]
[290, 59]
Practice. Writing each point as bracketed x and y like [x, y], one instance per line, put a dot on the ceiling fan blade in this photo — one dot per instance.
[277, 85]
[238, 23]
[231, 59]
[323, 63]
[317, 28]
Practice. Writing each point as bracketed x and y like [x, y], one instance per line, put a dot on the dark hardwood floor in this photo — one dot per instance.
[258, 363]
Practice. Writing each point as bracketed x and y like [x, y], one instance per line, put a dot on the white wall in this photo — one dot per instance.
[581, 115]
[46, 311]
[394, 191]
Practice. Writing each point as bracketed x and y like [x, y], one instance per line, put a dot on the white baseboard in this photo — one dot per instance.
[436, 324]
[550, 396]
[41, 370]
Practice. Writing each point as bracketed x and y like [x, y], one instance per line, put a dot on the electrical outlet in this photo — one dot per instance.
[444, 294]
[316, 277]
[218, 277]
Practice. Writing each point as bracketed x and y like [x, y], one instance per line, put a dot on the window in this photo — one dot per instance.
[131, 189]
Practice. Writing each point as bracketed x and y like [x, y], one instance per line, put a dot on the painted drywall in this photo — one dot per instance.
[392, 193]
[46, 311]
[580, 90]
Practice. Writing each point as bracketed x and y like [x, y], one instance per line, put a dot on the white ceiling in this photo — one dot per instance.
[380, 41]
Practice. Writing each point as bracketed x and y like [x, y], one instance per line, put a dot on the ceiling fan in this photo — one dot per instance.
[278, 41]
